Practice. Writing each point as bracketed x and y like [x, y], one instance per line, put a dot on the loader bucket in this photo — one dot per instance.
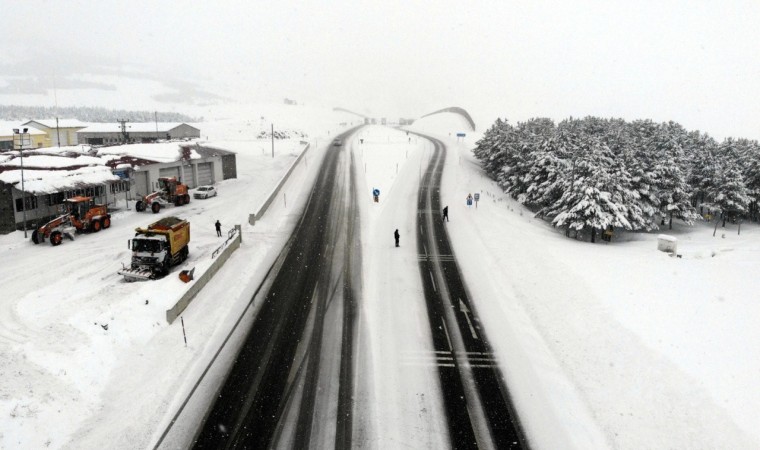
[136, 275]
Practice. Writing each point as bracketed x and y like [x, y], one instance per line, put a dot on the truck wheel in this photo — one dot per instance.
[140, 206]
[155, 207]
[105, 223]
[187, 198]
[56, 238]
[95, 226]
[35, 237]
[178, 201]
[183, 254]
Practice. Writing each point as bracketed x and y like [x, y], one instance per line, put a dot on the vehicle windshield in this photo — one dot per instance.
[146, 245]
[78, 209]
[203, 188]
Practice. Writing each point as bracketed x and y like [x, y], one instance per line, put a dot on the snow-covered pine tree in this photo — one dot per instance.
[702, 165]
[589, 202]
[729, 193]
[488, 148]
[545, 177]
[749, 152]
[639, 162]
[672, 191]
[531, 136]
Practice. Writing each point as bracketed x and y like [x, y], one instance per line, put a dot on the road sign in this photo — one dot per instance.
[460, 135]
[477, 196]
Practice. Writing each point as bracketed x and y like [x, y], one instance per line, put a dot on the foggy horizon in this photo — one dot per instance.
[691, 63]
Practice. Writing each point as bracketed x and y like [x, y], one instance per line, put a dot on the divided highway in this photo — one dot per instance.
[479, 411]
[291, 384]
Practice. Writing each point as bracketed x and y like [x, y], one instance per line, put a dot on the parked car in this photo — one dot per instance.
[337, 142]
[205, 192]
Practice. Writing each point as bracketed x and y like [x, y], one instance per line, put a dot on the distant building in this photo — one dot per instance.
[60, 132]
[212, 165]
[37, 137]
[112, 133]
[114, 173]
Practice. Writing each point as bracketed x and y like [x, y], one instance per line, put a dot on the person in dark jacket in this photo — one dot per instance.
[218, 228]
[396, 236]
[446, 213]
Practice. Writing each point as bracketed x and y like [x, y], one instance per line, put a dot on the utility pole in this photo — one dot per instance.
[58, 132]
[22, 138]
[123, 124]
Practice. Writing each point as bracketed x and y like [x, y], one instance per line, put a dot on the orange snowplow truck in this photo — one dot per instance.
[82, 215]
[170, 192]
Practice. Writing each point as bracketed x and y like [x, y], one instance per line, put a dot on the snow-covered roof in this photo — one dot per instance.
[160, 152]
[51, 181]
[52, 162]
[132, 127]
[62, 123]
[7, 127]
[66, 150]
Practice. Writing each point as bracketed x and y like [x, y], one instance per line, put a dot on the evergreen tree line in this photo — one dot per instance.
[88, 114]
[595, 173]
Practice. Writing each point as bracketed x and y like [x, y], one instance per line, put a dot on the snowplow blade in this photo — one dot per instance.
[136, 275]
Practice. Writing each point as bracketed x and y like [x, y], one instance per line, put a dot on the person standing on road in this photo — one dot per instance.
[396, 236]
[446, 213]
[218, 228]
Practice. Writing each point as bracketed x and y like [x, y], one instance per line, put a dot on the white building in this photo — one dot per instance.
[112, 133]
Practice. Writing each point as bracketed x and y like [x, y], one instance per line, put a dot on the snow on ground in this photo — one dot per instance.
[612, 345]
[603, 345]
[88, 359]
[399, 382]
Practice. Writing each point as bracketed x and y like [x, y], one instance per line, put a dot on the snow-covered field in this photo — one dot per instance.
[612, 345]
[88, 359]
[603, 345]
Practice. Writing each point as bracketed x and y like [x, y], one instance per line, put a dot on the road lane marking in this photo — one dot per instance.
[466, 311]
[445, 329]
[432, 280]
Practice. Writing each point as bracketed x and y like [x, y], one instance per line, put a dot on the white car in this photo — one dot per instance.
[205, 192]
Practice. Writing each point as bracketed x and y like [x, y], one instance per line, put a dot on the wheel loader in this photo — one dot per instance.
[170, 192]
[81, 215]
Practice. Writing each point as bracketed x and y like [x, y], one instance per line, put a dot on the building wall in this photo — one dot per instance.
[7, 222]
[68, 135]
[229, 167]
[43, 207]
[188, 173]
[38, 141]
[184, 131]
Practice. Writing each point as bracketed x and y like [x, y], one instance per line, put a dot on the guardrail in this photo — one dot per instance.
[263, 208]
[234, 238]
[220, 256]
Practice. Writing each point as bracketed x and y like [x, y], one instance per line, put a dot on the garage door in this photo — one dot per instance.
[205, 173]
[169, 172]
[141, 183]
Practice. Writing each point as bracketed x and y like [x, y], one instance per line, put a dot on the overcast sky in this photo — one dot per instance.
[694, 62]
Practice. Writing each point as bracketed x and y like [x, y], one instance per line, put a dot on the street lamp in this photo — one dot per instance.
[20, 137]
